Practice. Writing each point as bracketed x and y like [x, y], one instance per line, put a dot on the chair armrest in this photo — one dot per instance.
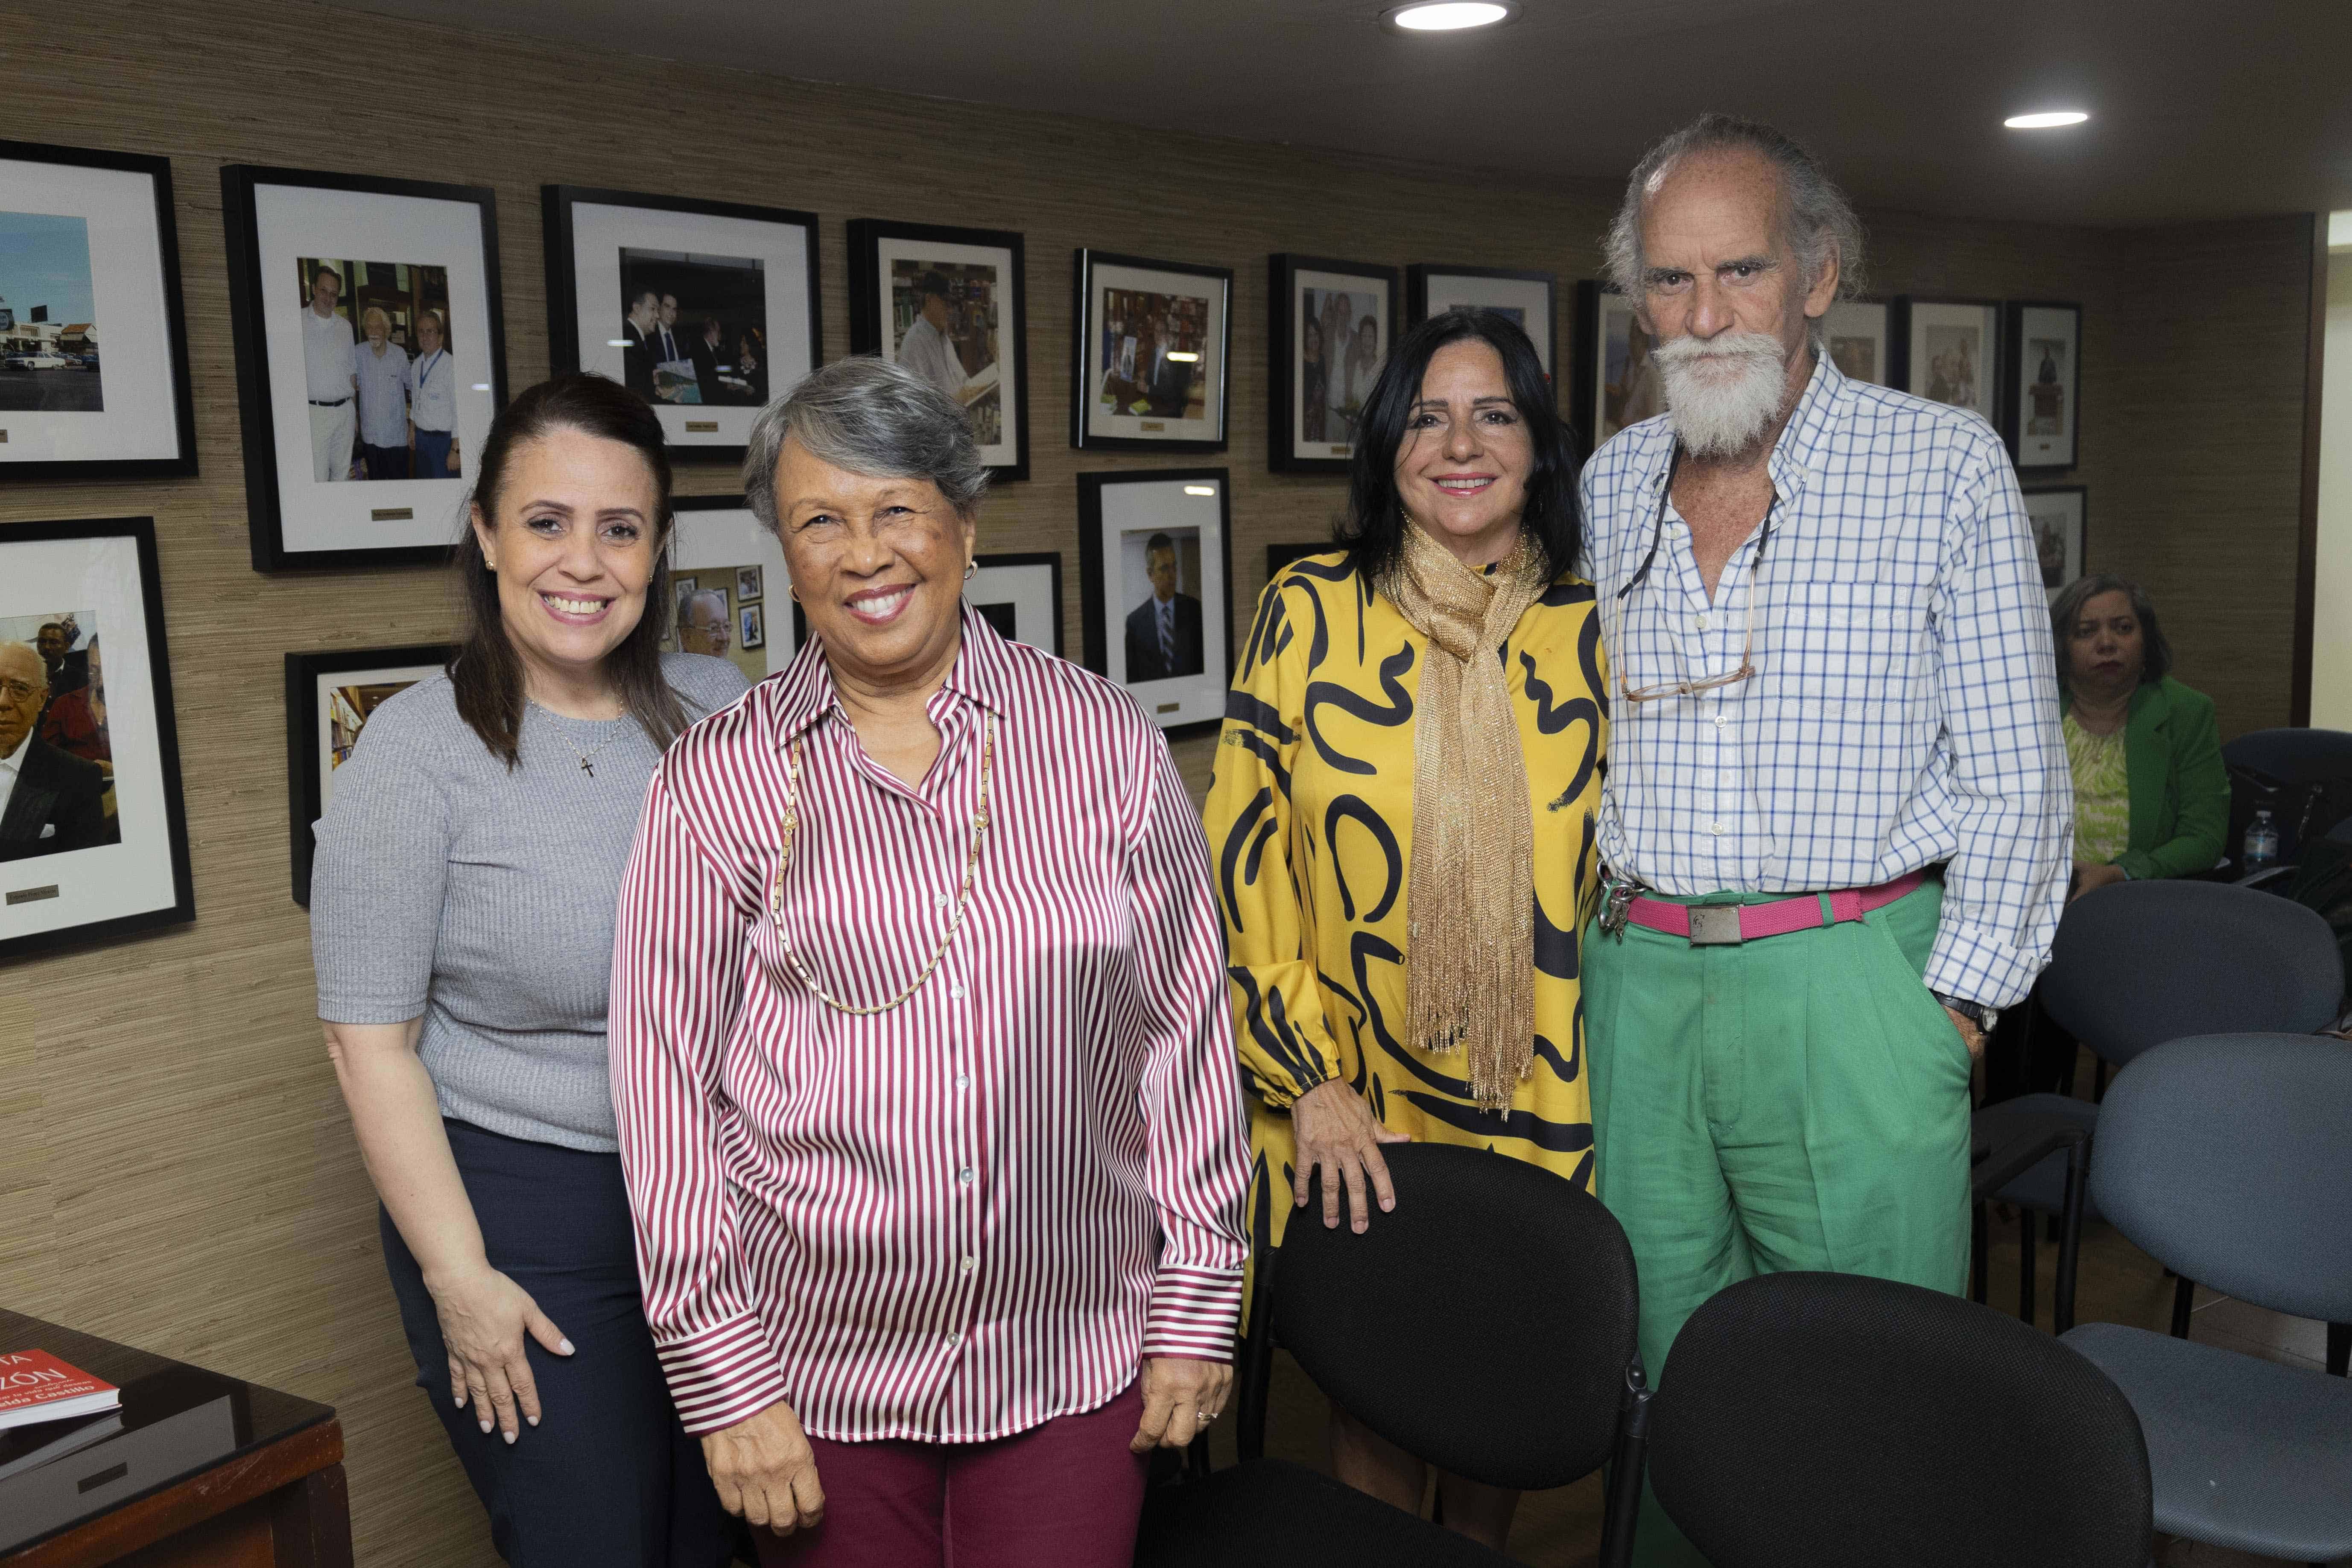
[1997, 1161]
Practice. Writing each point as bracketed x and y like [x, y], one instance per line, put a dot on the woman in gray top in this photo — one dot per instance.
[461, 916]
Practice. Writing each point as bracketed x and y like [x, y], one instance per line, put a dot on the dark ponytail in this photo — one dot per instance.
[487, 672]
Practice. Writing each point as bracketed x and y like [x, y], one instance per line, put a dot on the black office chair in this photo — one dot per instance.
[2302, 777]
[1835, 1421]
[1487, 1324]
[2135, 966]
[2229, 1159]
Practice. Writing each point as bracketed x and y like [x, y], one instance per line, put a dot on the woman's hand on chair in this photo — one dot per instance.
[765, 1471]
[2089, 878]
[1338, 1134]
[1181, 1398]
[483, 1317]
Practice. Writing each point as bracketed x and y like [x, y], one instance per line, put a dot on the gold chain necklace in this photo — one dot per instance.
[963, 895]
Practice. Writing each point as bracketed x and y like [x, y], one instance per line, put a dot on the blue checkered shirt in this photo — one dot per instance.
[1904, 709]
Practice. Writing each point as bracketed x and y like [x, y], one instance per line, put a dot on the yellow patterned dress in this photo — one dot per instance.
[1310, 826]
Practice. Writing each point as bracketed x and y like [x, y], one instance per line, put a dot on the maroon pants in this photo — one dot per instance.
[1066, 1493]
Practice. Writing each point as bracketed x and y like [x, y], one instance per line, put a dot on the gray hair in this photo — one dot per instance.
[40, 665]
[1818, 224]
[869, 417]
[712, 596]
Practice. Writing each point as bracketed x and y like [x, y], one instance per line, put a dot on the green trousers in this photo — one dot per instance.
[1801, 1102]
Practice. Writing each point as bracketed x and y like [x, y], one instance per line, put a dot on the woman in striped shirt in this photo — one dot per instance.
[919, 1046]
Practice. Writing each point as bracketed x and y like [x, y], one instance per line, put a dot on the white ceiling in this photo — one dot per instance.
[2202, 109]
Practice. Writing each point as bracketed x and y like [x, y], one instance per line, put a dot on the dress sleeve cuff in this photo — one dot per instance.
[1976, 966]
[721, 1375]
[1195, 1313]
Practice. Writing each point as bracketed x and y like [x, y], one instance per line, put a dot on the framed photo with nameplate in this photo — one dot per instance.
[1149, 365]
[90, 258]
[371, 359]
[722, 564]
[1332, 326]
[2041, 413]
[1156, 569]
[330, 694]
[93, 832]
[950, 304]
[1947, 352]
[707, 310]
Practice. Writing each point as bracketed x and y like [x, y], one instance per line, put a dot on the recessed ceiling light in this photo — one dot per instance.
[2049, 122]
[1451, 16]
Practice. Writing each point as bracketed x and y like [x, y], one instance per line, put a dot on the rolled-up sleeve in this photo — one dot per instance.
[677, 964]
[1198, 1157]
[2005, 885]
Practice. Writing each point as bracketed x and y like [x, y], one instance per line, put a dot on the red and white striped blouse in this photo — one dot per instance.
[967, 1215]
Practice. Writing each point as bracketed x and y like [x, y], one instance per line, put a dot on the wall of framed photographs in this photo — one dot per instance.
[161, 1095]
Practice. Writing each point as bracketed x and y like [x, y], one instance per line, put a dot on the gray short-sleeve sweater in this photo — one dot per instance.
[447, 886]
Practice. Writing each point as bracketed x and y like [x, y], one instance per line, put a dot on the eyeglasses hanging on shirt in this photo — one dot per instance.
[1747, 670]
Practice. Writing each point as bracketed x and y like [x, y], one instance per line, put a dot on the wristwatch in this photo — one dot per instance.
[1976, 1012]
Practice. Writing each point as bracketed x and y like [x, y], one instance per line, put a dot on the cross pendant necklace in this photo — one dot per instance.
[588, 757]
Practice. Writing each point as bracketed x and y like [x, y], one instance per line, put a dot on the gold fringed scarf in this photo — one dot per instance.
[1470, 895]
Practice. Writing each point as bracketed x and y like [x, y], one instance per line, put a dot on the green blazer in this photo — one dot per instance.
[2179, 786]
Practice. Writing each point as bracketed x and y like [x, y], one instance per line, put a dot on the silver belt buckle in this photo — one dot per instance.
[1715, 925]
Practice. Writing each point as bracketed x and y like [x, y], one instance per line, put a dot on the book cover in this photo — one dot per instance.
[36, 1386]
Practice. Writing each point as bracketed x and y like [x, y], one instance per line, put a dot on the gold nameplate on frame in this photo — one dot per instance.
[4, 437]
[702, 427]
[1155, 425]
[1340, 450]
[392, 514]
[1168, 707]
[32, 895]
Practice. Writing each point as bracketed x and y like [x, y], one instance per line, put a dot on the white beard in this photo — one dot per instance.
[1723, 392]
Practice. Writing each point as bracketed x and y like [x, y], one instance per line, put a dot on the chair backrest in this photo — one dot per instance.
[2302, 776]
[1484, 1324]
[2291, 755]
[2142, 962]
[1845, 1422]
[2229, 1159]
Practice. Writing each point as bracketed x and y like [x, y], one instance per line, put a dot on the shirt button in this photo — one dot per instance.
[965, 1176]
[1702, 623]
[956, 992]
[1716, 828]
[970, 1264]
[963, 1081]
[1721, 720]
[939, 901]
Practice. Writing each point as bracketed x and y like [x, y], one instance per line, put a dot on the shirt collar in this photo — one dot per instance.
[804, 694]
[1804, 444]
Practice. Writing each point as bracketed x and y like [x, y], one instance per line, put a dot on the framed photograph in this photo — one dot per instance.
[2060, 518]
[371, 358]
[1334, 323]
[330, 695]
[949, 303]
[1856, 333]
[706, 309]
[1021, 595]
[1155, 563]
[2044, 410]
[1151, 354]
[1528, 297]
[1949, 351]
[89, 255]
[716, 552]
[1617, 382]
[93, 832]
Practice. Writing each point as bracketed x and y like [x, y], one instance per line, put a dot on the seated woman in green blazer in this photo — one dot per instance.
[2151, 792]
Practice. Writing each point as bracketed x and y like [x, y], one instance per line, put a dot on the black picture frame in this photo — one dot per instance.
[248, 323]
[1867, 312]
[20, 883]
[1418, 275]
[1083, 336]
[1587, 398]
[2029, 449]
[2082, 521]
[867, 301]
[1283, 268]
[1186, 705]
[182, 464]
[1905, 375]
[693, 563]
[306, 785]
[556, 204]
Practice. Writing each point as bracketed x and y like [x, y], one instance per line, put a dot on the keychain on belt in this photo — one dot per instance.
[1617, 896]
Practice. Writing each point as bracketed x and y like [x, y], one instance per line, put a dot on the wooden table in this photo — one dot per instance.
[207, 1472]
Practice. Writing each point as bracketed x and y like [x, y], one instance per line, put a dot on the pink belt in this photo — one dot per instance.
[1723, 925]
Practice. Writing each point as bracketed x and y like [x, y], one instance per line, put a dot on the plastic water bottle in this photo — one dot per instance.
[2262, 845]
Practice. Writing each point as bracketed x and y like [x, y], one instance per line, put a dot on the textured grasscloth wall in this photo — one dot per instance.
[174, 1167]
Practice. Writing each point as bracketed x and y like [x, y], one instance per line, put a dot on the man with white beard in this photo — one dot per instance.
[1837, 815]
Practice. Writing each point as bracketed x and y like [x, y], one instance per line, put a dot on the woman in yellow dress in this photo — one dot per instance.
[1403, 821]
